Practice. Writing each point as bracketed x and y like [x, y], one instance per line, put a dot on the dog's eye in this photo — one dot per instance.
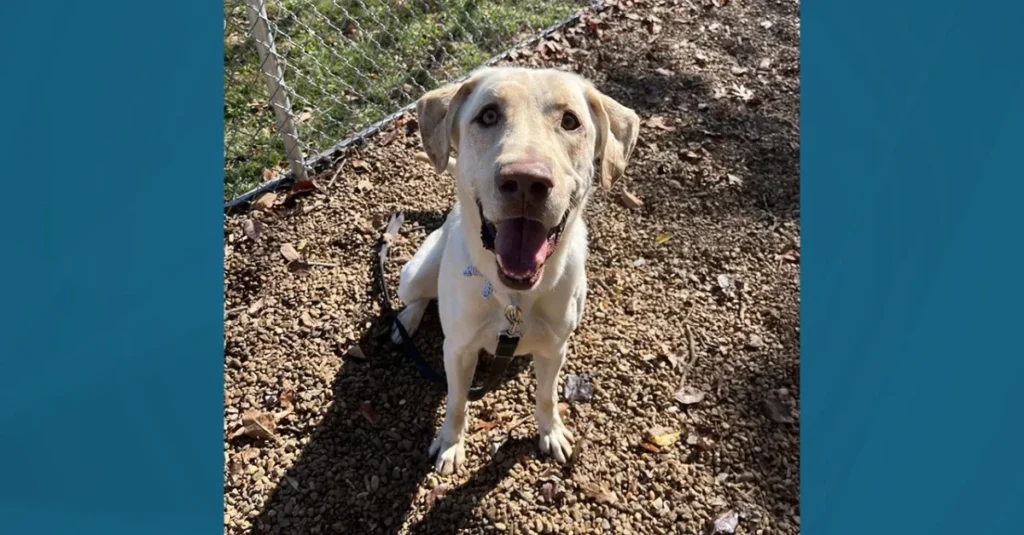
[569, 121]
[489, 116]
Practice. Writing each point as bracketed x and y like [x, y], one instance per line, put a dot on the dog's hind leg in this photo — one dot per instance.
[418, 283]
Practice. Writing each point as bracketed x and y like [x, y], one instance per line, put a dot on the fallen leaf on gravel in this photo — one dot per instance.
[776, 411]
[435, 494]
[662, 437]
[765, 64]
[547, 490]
[255, 306]
[631, 201]
[289, 253]
[252, 229]
[650, 447]
[308, 320]
[734, 180]
[360, 165]
[725, 524]
[304, 186]
[724, 282]
[658, 121]
[766, 24]
[364, 185]
[258, 425]
[266, 201]
[302, 245]
[599, 492]
[746, 95]
[688, 395]
[483, 425]
[356, 352]
[369, 413]
[287, 402]
[268, 174]
[299, 267]
[578, 388]
[754, 341]
[662, 238]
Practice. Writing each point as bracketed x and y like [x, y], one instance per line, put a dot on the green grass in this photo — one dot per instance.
[350, 63]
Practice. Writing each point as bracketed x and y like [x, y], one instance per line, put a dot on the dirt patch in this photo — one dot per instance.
[700, 281]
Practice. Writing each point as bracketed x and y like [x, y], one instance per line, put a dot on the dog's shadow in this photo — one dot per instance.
[359, 471]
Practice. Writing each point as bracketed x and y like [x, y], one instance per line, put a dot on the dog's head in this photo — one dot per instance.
[527, 141]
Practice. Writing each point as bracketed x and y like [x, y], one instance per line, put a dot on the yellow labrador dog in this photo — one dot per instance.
[527, 141]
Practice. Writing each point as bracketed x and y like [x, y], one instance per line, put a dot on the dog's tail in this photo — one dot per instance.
[422, 156]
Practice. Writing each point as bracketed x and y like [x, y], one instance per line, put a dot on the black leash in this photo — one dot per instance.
[507, 340]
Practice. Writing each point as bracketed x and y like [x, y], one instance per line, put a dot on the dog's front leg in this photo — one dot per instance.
[554, 437]
[459, 366]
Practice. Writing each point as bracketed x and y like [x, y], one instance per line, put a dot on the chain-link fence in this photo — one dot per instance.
[300, 76]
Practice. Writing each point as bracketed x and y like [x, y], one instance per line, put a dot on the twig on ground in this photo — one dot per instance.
[341, 165]
[691, 355]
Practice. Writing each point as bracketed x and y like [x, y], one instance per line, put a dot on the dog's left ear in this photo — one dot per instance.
[617, 130]
[436, 112]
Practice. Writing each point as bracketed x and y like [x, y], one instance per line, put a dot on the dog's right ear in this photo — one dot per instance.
[436, 112]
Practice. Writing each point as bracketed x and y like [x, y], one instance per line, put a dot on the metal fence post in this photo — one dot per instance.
[257, 15]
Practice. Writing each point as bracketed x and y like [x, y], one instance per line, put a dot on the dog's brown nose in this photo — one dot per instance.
[529, 181]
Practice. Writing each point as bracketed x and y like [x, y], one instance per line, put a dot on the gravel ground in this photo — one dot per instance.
[692, 322]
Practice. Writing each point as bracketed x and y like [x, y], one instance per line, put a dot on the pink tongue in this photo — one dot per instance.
[522, 246]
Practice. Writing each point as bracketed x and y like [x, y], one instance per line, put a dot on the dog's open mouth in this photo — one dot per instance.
[521, 247]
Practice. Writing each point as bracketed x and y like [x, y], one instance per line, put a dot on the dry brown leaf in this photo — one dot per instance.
[355, 352]
[547, 490]
[725, 524]
[599, 492]
[289, 253]
[255, 306]
[268, 174]
[435, 494]
[631, 201]
[662, 437]
[287, 402]
[658, 121]
[304, 186]
[252, 229]
[483, 425]
[308, 320]
[369, 412]
[299, 267]
[360, 165]
[776, 411]
[258, 425]
[266, 201]
[688, 395]
[650, 447]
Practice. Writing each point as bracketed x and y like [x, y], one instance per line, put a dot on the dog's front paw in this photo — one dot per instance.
[556, 441]
[450, 454]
